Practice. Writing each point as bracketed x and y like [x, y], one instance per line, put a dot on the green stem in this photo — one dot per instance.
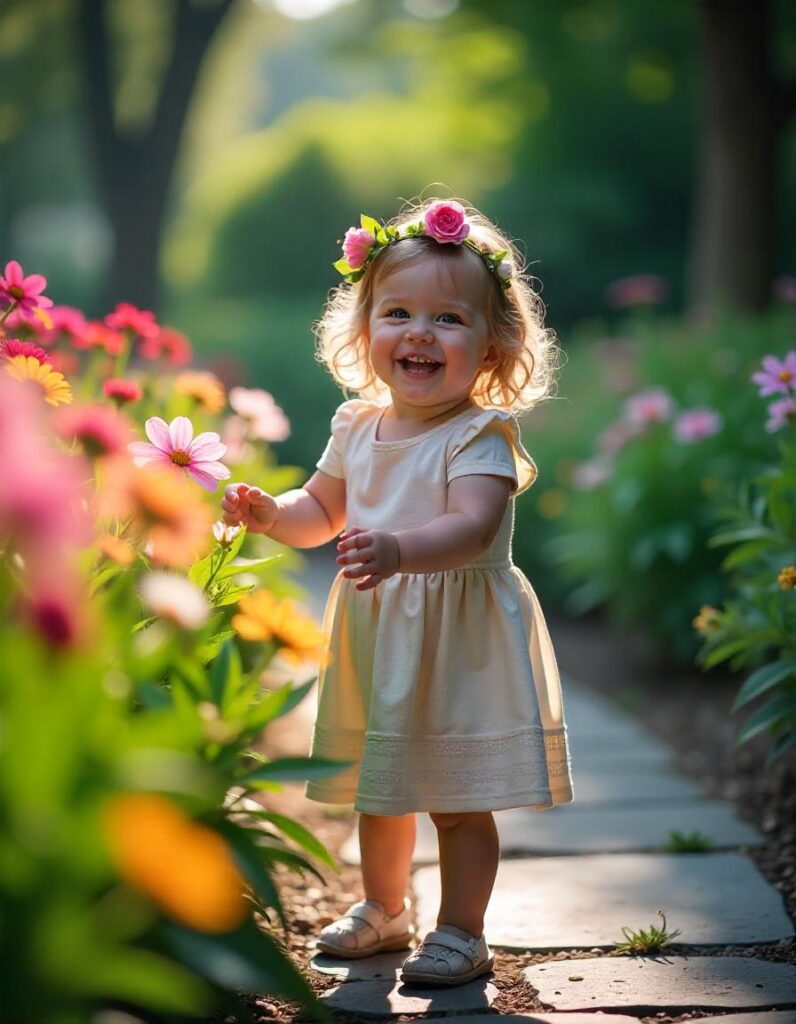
[10, 310]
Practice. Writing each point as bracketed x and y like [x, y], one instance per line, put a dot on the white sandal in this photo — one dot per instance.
[365, 929]
[445, 959]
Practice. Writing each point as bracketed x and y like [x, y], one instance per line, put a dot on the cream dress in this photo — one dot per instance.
[442, 687]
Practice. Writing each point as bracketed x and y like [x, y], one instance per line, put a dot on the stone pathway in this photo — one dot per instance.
[571, 878]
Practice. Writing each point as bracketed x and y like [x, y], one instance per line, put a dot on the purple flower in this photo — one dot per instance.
[637, 290]
[653, 405]
[776, 378]
[781, 413]
[694, 425]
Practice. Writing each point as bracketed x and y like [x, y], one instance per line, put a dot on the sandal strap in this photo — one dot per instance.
[453, 942]
[367, 912]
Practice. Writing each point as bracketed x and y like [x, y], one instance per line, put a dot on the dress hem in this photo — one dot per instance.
[537, 799]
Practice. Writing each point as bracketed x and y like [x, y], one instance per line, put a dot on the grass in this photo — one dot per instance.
[649, 941]
[694, 842]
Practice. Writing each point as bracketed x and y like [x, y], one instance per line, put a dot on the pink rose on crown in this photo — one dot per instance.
[445, 222]
[356, 244]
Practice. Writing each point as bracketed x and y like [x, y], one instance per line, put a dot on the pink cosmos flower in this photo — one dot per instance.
[121, 390]
[653, 405]
[13, 347]
[591, 474]
[356, 244]
[23, 292]
[127, 317]
[173, 444]
[616, 435]
[444, 222]
[96, 334]
[169, 344]
[781, 413]
[67, 321]
[234, 435]
[637, 290]
[264, 419]
[776, 377]
[101, 431]
[696, 425]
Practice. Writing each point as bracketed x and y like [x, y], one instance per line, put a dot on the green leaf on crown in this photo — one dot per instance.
[342, 266]
[369, 224]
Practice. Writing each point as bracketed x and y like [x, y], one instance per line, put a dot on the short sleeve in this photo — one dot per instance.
[332, 461]
[491, 443]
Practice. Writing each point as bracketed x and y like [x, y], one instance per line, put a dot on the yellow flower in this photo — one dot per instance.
[184, 867]
[552, 503]
[204, 386]
[55, 386]
[787, 578]
[707, 621]
[266, 617]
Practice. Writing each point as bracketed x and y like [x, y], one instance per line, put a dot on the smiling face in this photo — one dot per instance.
[435, 307]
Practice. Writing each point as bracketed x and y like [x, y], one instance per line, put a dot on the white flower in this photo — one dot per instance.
[176, 598]
[225, 533]
[264, 419]
[505, 269]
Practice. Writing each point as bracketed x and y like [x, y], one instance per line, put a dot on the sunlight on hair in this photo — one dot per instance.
[305, 9]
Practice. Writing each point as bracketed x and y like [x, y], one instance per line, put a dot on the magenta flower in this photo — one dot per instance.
[444, 222]
[781, 413]
[653, 405]
[356, 245]
[696, 425]
[127, 317]
[776, 378]
[24, 293]
[173, 444]
[637, 290]
[14, 347]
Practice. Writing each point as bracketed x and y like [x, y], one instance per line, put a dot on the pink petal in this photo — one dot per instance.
[157, 430]
[207, 451]
[215, 469]
[161, 458]
[771, 364]
[13, 273]
[790, 362]
[181, 433]
[35, 283]
[202, 478]
[144, 450]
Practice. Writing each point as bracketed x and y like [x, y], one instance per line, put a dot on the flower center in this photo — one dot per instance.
[785, 376]
[16, 292]
[180, 458]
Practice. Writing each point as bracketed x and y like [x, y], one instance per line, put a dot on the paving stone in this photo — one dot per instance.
[370, 968]
[614, 785]
[553, 1018]
[763, 1017]
[647, 985]
[598, 829]
[387, 999]
[555, 903]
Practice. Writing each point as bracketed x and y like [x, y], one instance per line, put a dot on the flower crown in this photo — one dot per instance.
[443, 221]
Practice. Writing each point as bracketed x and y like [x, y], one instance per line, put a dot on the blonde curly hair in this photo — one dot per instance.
[526, 372]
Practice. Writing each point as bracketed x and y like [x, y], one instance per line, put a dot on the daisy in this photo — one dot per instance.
[776, 377]
[173, 444]
[54, 385]
[23, 293]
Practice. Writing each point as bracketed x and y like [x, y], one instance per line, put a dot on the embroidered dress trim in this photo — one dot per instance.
[397, 774]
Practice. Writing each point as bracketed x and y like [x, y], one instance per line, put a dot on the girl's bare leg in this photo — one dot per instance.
[469, 850]
[387, 844]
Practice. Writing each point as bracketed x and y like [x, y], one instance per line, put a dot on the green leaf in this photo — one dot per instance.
[300, 835]
[287, 769]
[763, 679]
[282, 855]
[241, 565]
[755, 638]
[207, 651]
[225, 674]
[369, 224]
[250, 860]
[342, 266]
[146, 979]
[752, 532]
[778, 709]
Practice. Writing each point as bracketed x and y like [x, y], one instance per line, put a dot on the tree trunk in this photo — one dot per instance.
[734, 217]
[135, 174]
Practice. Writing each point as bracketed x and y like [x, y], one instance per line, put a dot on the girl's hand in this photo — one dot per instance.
[249, 507]
[376, 550]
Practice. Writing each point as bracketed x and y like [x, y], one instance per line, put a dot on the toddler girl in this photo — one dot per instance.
[442, 689]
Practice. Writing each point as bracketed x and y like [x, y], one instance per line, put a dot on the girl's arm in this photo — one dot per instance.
[475, 508]
[311, 515]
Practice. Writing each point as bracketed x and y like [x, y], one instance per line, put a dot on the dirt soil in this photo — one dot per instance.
[687, 709]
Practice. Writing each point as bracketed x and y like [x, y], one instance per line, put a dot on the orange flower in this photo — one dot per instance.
[164, 508]
[204, 386]
[707, 621]
[265, 617]
[184, 867]
[54, 385]
[787, 578]
[117, 549]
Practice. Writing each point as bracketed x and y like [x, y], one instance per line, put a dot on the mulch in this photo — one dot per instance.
[688, 709]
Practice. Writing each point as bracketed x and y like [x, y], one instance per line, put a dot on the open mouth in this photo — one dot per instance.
[412, 368]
